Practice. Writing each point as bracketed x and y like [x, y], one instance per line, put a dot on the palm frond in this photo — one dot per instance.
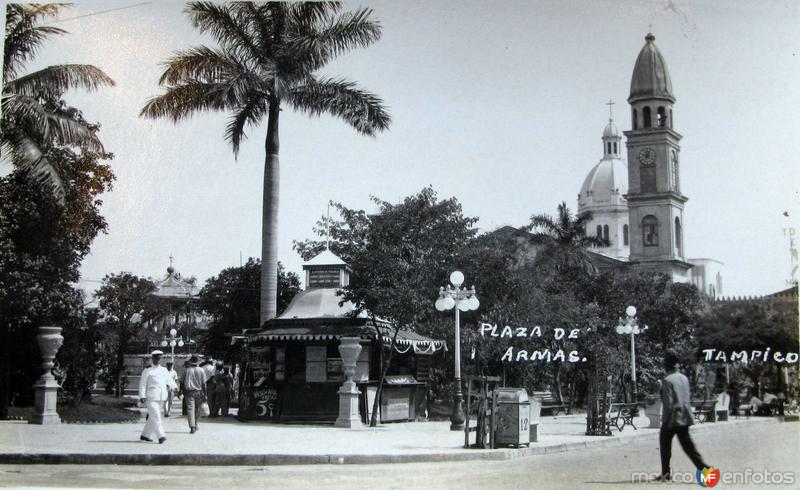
[343, 99]
[53, 81]
[23, 113]
[180, 101]
[203, 64]
[248, 115]
[312, 12]
[565, 220]
[23, 37]
[313, 45]
[263, 21]
[29, 117]
[29, 157]
[64, 129]
[545, 223]
[232, 31]
[593, 240]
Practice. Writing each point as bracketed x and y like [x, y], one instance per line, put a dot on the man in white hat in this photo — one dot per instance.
[153, 392]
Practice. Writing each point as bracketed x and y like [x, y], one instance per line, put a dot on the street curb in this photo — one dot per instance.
[339, 459]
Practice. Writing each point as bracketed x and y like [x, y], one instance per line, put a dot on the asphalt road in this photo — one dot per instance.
[747, 453]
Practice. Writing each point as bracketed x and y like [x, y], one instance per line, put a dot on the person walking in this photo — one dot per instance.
[194, 391]
[153, 391]
[223, 385]
[210, 369]
[172, 392]
[677, 417]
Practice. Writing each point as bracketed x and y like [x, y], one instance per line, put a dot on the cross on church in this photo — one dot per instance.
[171, 258]
[610, 105]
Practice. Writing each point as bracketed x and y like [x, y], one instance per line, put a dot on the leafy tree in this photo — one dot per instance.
[749, 325]
[755, 325]
[33, 115]
[564, 239]
[42, 243]
[231, 299]
[81, 355]
[269, 57]
[127, 303]
[397, 256]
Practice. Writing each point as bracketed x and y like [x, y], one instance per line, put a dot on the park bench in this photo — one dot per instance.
[621, 414]
[704, 410]
[775, 407]
[550, 403]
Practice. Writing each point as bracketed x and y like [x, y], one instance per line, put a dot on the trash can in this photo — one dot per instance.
[512, 420]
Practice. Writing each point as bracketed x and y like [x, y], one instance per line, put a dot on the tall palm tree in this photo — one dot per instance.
[33, 114]
[268, 57]
[565, 237]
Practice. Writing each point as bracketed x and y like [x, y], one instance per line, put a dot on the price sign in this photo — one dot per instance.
[266, 402]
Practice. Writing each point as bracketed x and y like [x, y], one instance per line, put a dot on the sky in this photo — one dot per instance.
[500, 104]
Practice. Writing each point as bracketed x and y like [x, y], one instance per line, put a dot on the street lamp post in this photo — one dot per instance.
[460, 299]
[172, 341]
[630, 326]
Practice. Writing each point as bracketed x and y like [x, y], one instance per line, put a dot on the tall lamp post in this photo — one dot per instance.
[460, 299]
[630, 326]
[172, 341]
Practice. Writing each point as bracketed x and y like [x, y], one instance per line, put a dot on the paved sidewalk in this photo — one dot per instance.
[224, 441]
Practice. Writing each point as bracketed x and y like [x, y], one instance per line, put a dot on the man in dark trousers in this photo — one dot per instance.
[676, 417]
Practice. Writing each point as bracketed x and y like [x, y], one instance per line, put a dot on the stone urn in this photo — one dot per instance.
[349, 349]
[46, 387]
[653, 411]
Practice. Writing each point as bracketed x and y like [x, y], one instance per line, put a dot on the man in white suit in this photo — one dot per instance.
[154, 388]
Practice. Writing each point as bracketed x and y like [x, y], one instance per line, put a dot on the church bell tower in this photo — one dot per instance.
[655, 202]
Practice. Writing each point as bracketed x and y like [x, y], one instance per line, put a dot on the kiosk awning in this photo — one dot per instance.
[315, 332]
[406, 339]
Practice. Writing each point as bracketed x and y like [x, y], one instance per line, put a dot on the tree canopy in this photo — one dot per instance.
[34, 117]
[270, 55]
[231, 300]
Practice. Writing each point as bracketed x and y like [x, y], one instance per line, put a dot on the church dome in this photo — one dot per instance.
[606, 185]
[650, 74]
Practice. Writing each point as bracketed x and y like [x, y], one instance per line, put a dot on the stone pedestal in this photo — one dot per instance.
[46, 387]
[349, 349]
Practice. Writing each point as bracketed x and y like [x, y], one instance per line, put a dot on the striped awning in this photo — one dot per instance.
[315, 332]
[406, 339]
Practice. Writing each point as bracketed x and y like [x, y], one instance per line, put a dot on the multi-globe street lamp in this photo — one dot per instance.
[460, 299]
[172, 341]
[630, 326]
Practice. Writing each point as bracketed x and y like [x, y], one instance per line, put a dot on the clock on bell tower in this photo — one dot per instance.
[655, 203]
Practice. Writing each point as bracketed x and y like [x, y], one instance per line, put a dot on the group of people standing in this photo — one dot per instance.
[203, 383]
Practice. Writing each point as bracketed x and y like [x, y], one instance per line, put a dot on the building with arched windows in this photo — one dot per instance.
[603, 195]
[637, 206]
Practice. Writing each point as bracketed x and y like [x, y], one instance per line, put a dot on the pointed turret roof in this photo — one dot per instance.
[650, 74]
[174, 287]
[325, 258]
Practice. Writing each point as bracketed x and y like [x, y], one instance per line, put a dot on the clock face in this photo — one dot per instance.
[647, 156]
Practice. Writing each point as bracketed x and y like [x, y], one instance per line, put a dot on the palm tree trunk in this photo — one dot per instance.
[5, 373]
[269, 219]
